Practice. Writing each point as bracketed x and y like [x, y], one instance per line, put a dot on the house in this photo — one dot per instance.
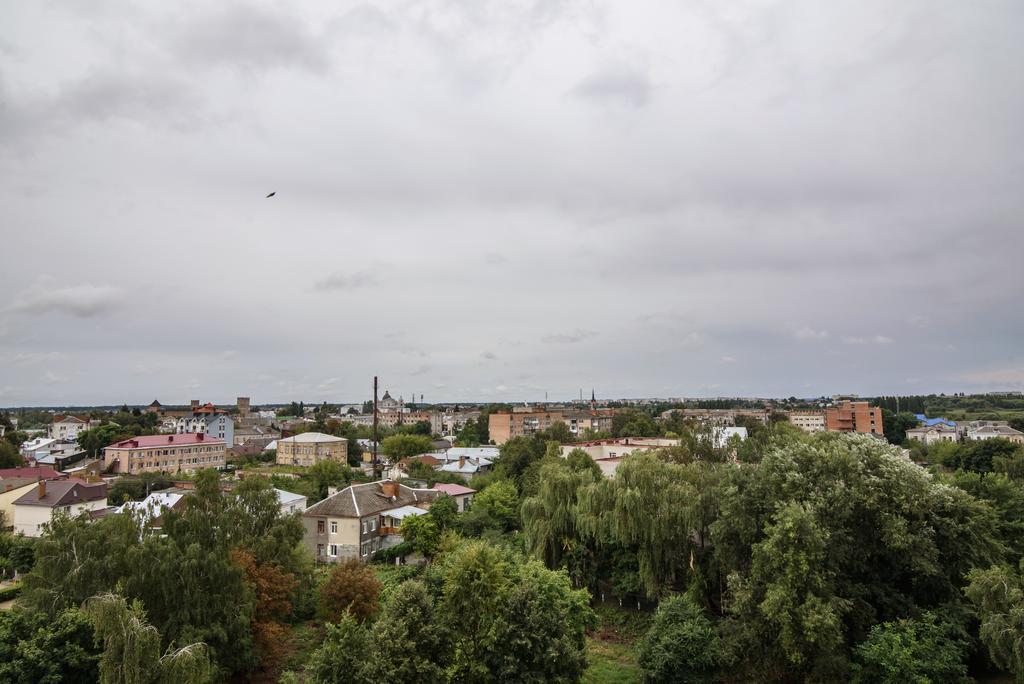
[937, 432]
[38, 505]
[290, 502]
[208, 419]
[66, 428]
[11, 490]
[401, 469]
[466, 467]
[854, 416]
[991, 429]
[151, 510]
[722, 435]
[34, 448]
[463, 495]
[361, 519]
[929, 422]
[309, 448]
[164, 453]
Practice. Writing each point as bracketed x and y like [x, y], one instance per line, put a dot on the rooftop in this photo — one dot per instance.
[63, 493]
[369, 498]
[312, 438]
[453, 489]
[34, 473]
[150, 441]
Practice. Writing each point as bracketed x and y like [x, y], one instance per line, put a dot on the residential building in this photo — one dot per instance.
[592, 420]
[309, 448]
[991, 429]
[938, 432]
[467, 468]
[36, 507]
[164, 453]
[34, 448]
[290, 502]
[66, 428]
[808, 421]
[361, 519]
[152, 509]
[854, 416]
[12, 489]
[504, 425]
[608, 453]
[463, 495]
[722, 434]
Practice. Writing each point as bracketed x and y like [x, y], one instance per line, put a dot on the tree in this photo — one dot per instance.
[998, 597]
[342, 656]
[516, 455]
[407, 642]
[273, 589]
[497, 506]
[37, 650]
[926, 649]
[549, 518]
[326, 474]
[980, 455]
[444, 511]
[422, 532]
[634, 423]
[469, 435]
[578, 459]
[17, 553]
[895, 425]
[131, 647]
[398, 447]
[475, 582]
[94, 439]
[681, 644]
[540, 632]
[10, 457]
[352, 586]
[558, 432]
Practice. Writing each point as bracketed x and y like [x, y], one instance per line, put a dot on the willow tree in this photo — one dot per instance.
[650, 506]
[549, 518]
[131, 647]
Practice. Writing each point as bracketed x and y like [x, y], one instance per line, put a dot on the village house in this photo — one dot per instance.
[309, 448]
[40, 503]
[361, 519]
[463, 495]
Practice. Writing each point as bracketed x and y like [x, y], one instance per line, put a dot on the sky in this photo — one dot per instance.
[502, 200]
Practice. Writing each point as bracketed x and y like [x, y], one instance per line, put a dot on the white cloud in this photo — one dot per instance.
[82, 301]
[577, 335]
[874, 339]
[807, 333]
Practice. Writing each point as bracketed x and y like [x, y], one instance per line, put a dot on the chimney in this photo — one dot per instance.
[389, 488]
[194, 404]
[462, 462]
[201, 436]
[42, 488]
[331, 491]
[170, 438]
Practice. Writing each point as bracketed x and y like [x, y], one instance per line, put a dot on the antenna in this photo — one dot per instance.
[375, 466]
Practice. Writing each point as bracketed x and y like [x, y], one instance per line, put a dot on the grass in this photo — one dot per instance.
[610, 663]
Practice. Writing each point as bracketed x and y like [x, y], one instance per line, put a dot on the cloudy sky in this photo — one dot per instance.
[494, 199]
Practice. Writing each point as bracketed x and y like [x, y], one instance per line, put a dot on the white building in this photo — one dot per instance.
[930, 434]
[290, 502]
[978, 430]
[66, 428]
[37, 507]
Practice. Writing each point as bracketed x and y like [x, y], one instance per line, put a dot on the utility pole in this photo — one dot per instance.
[376, 475]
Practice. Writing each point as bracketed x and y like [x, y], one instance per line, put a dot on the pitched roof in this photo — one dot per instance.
[68, 419]
[368, 499]
[453, 489]
[149, 441]
[63, 493]
[284, 497]
[34, 473]
[312, 438]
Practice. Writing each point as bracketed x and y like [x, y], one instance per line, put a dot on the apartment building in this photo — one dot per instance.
[808, 421]
[164, 453]
[854, 416]
[991, 429]
[309, 448]
[66, 428]
[505, 425]
[361, 519]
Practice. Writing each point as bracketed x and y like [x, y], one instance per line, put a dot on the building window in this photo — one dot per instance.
[319, 526]
[364, 530]
[373, 525]
[333, 551]
[334, 527]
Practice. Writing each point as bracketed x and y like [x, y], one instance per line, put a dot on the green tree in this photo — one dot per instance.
[131, 647]
[444, 511]
[469, 435]
[578, 459]
[496, 506]
[35, 649]
[422, 532]
[397, 447]
[10, 457]
[998, 597]
[895, 425]
[549, 518]
[407, 642]
[516, 455]
[979, 456]
[326, 474]
[681, 644]
[540, 631]
[342, 655]
[922, 650]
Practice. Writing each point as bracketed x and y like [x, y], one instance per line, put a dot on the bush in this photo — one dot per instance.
[923, 650]
[351, 587]
[681, 646]
[11, 592]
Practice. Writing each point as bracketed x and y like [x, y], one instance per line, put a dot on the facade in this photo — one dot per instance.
[463, 495]
[11, 490]
[594, 420]
[505, 425]
[215, 425]
[164, 453]
[854, 416]
[361, 519]
[808, 421]
[66, 428]
[939, 432]
[37, 506]
[991, 429]
[310, 448]
[290, 502]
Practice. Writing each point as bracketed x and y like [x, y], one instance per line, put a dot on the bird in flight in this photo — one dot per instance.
[271, 195]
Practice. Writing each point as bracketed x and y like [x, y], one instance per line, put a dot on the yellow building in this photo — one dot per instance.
[310, 448]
